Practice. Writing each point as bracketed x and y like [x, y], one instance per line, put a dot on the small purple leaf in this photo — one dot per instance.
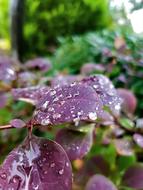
[133, 177]
[100, 182]
[7, 71]
[124, 147]
[41, 64]
[73, 103]
[106, 92]
[37, 164]
[17, 123]
[129, 100]
[75, 143]
[138, 139]
[89, 68]
[29, 94]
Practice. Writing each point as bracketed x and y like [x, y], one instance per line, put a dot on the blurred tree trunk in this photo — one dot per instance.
[16, 27]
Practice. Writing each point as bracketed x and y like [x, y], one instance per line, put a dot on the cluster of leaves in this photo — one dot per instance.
[95, 133]
[45, 20]
[116, 54]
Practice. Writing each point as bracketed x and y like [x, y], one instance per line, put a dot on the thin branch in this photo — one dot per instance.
[6, 127]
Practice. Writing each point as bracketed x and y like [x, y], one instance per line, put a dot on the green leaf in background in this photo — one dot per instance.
[124, 162]
[126, 123]
[5, 116]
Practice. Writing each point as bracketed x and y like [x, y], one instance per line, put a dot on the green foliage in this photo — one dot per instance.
[45, 20]
[4, 21]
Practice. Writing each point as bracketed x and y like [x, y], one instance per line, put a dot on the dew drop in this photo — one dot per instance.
[45, 104]
[93, 116]
[67, 164]
[52, 93]
[52, 165]
[117, 107]
[61, 171]
[45, 122]
[3, 176]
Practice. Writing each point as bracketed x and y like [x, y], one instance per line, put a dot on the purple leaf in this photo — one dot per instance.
[29, 94]
[100, 182]
[129, 100]
[89, 68]
[3, 99]
[65, 80]
[17, 123]
[37, 164]
[41, 64]
[94, 165]
[133, 177]
[124, 147]
[7, 71]
[106, 92]
[66, 104]
[75, 143]
[138, 139]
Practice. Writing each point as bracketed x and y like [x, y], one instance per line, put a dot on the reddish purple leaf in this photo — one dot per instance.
[100, 182]
[75, 143]
[17, 123]
[29, 94]
[124, 147]
[65, 80]
[37, 164]
[138, 139]
[66, 104]
[7, 71]
[106, 92]
[133, 177]
[94, 165]
[41, 64]
[89, 68]
[129, 100]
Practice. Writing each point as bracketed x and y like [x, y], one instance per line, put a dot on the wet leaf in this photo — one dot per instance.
[106, 92]
[75, 143]
[62, 80]
[7, 71]
[70, 103]
[30, 94]
[37, 164]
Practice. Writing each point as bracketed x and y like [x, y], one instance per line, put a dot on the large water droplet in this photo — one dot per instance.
[61, 171]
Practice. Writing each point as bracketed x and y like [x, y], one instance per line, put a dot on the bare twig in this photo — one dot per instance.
[6, 127]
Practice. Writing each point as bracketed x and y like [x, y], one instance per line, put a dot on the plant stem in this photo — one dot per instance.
[6, 127]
